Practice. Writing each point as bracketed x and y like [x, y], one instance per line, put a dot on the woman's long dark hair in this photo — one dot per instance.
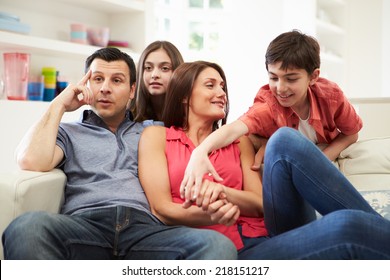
[179, 92]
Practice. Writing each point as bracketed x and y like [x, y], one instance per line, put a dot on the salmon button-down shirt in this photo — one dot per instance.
[330, 113]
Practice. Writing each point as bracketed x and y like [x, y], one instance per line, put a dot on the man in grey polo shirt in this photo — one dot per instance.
[105, 214]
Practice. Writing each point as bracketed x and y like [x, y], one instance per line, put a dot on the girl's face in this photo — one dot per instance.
[290, 86]
[157, 72]
[208, 98]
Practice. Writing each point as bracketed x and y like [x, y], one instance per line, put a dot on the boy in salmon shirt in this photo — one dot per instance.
[297, 97]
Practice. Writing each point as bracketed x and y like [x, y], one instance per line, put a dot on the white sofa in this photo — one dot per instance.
[22, 191]
[366, 164]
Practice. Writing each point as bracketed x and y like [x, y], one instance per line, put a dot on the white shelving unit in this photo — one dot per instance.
[37, 45]
[111, 6]
[49, 40]
[331, 18]
[49, 45]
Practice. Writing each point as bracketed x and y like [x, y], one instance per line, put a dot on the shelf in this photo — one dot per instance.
[331, 33]
[36, 45]
[110, 6]
[328, 27]
[331, 3]
[330, 57]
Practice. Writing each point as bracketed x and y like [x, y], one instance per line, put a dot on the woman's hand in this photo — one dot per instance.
[198, 165]
[212, 198]
[209, 193]
[223, 212]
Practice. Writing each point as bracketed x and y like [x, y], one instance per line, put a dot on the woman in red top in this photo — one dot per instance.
[233, 206]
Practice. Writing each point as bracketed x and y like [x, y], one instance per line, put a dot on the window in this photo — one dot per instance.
[195, 3]
[216, 4]
[195, 26]
[196, 34]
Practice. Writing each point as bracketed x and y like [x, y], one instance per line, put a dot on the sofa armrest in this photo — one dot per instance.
[23, 191]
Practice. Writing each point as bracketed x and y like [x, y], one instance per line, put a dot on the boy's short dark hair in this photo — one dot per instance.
[113, 54]
[295, 50]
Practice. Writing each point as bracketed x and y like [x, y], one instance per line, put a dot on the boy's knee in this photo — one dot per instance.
[281, 140]
[285, 134]
[349, 225]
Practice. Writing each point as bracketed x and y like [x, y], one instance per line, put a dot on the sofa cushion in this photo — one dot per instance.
[371, 156]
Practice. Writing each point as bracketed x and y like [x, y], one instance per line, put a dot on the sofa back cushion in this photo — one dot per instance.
[371, 156]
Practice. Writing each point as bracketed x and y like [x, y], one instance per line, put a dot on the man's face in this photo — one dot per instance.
[110, 85]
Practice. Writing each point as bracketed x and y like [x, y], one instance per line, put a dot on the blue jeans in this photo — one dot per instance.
[297, 180]
[343, 234]
[109, 233]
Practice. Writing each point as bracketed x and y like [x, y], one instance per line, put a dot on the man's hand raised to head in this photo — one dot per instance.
[75, 96]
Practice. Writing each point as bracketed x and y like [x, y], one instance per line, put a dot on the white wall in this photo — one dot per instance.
[245, 40]
[365, 48]
[385, 48]
[374, 113]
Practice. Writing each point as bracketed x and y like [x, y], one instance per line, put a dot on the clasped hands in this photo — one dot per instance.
[210, 196]
[213, 200]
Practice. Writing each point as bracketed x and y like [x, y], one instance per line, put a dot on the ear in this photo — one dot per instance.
[314, 76]
[132, 91]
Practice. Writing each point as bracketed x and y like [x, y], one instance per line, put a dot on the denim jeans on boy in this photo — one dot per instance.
[297, 180]
[109, 233]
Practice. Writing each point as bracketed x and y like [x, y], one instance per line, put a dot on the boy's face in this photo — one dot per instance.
[290, 86]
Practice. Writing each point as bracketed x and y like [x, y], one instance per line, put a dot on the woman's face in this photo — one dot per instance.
[208, 98]
[157, 72]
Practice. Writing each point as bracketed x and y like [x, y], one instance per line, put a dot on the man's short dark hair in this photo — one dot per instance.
[113, 54]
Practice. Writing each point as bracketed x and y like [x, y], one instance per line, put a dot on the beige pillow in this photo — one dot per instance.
[371, 156]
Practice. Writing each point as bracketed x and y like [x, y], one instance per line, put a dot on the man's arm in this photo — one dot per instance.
[38, 150]
[199, 163]
[342, 141]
